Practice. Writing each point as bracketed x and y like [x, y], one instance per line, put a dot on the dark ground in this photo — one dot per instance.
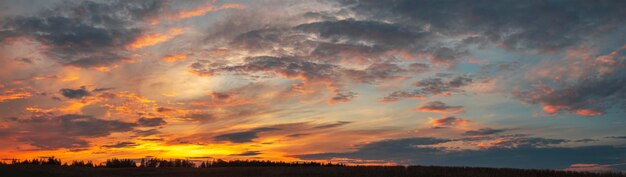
[417, 171]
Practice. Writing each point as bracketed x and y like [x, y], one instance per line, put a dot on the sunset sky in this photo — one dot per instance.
[524, 84]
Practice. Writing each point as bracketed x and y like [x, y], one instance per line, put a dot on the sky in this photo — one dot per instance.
[521, 84]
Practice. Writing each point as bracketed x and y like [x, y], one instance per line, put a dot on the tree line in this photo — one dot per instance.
[165, 163]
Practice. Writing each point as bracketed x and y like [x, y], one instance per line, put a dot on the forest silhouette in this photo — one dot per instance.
[157, 167]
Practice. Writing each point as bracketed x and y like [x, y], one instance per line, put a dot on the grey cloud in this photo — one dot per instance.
[590, 96]
[483, 131]
[290, 130]
[102, 89]
[294, 67]
[343, 40]
[151, 122]
[87, 34]
[386, 149]
[409, 151]
[587, 140]
[617, 137]
[121, 145]
[443, 84]
[248, 153]
[447, 122]
[343, 97]
[333, 125]
[438, 106]
[244, 136]
[146, 132]
[65, 131]
[75, 93]
[519, 25]
[528, 142]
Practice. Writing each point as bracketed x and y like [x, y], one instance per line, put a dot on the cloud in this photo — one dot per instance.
[333, 125]
[87, 34]
[342, 97]
[248, 153]
[150, 39]
[330, 75]
[616, 137]
[483, 131]
[442, 84]
[587, 140]
[75, 93]
[417, 151]
[174, 58]
[527, 142]
[124, 144]
[446, 122]
[385, 149]
[591, 96]
[203, 9]
[146, 132]
[258, 134]
[440, 107]
[151, 122]
[14, 94]
[507, 23]
[244, 136]
[65, 131]
[597, 167]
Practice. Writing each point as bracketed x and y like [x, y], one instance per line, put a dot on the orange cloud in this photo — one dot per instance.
[440, 107]
[551, 110]
[151, 39]
[174, 58]
[13, 94]
[588, 112]
[445, 122]
[203, 10]
[222, 100]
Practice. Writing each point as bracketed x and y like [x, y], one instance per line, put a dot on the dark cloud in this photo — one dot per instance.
[440, 85]
[66, 131]
[146, 132]
[587, 140]
[338, 124]
[483, 131]
[248, 153]
[165, 109]
[87, 34]
[412, 151]
[25, 60]
[332, 75]
[592, 96]
[220, 96]
[446, 122]
[386, 149]
[290, 130]
[342, 97]
[244, 136]
[363, 41]
[121, 145]
[528, 142]
[616, 137]
[75, 93]
[518, 25]
[589, 87]
[151, 122]
[440, 107]
[297, 135]
[152, 139]
[102, 89]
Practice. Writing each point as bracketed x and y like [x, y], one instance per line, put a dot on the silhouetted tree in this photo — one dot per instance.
[120, 163]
